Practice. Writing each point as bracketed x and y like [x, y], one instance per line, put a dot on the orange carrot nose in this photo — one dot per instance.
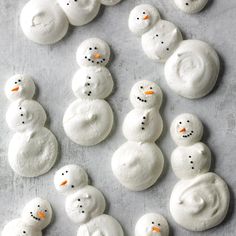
[64, 183]
[15, 89]
[149, 92]
[97, 55]
[41, 215]
[156, 229]
[146, 17]
[182, 130]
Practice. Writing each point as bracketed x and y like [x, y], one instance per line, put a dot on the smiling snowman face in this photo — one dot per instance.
[186, 129]
[142, 18]
[146, 94]
[161, 41]
[190, 161]
[92, 83]
[152, 225]
[85, 204]
[43, 21]
[19, 87]
[191, 6]
[25, 115]
[80, 12]
[93, 52]
[69, 178]
[37, 213]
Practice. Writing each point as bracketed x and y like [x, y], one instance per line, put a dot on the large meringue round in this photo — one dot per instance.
[190, 6]
[43, 21]
[193, 69]
[137, 166]
[200, 203]
[152, 224]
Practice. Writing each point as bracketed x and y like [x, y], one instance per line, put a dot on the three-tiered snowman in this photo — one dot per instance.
[33, 149]
[191, 66]
[138, 163]
[89, 119]
[36, 216]
[84, 203]
[200, 200]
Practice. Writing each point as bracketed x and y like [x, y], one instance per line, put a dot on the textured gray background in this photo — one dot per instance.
[53, 67]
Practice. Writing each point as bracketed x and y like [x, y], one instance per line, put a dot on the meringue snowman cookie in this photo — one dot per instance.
[200, 200]
[193, 69]
[36, 216]
[85, 204]
[190, 6]
[43, 21]
[33, 149]
[89, 119]
[200, 203]
[186, 129]
[138, 163]
[152, 224]
[95, 227]
[70, 178]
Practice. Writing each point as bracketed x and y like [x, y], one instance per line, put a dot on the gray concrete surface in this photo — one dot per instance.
[53, 67]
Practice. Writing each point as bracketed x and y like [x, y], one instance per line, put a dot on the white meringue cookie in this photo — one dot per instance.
[186, 129]
[36, 216]
[101, 225]
[190, 6]
[152, 224]
[161, 40]
[200, 203]
[43, 21]
[80, 12]
[193, 69]
[20, 87]
[109, 2]
[137, 166]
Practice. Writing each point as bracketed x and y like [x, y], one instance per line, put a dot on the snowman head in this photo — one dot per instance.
[191, 6]
[93, 52]
[190, 161]
[25, 115]
[152, 225]
[43, 21]
[85, 204]
[142, 18]
[70, 178]
[146, 94]
[92, 83]
[186, 129]
[37, 213]
[19, 87]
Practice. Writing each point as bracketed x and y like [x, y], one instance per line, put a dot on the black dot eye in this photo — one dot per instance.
[75, 0]
[24, 232]
[167, 49]
[150, 87]
[95, 48]
[82, 211]
[159, 224]
[67, 171]
[38, 205]
[79, 200]
[19, 80]
[153, 223]
[72, 186]
[62, 174]
[90, 48]
[23, 122]
[188, 121]
[144, 12]
[186, 4]
[68, 4]
[180, 122]
[189, 156]
[15, 82]
[157, 35]
[46, 211]
[20, 108]
[141, 87]
[137, 18]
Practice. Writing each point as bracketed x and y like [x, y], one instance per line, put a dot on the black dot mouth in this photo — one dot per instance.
[141, 100]
[98, 62]
[188, 135]
[34, 217]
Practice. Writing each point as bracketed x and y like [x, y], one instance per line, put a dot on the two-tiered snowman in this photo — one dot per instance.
[84, 203]
[89, 119]
[36, 216]
[191, 66]
[47, 22]
[200, 200]
[33, 149]
[138, 163]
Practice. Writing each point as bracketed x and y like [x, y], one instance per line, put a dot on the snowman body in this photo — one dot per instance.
[89, 119]
[191, 66]
[138, 163]
[33, 148]
[36, 215]
[85, 204]
[200, 200]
